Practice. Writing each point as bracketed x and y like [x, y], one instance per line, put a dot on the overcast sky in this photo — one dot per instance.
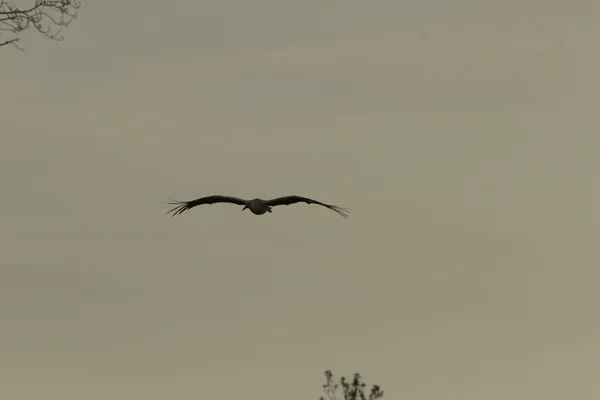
[463, 136]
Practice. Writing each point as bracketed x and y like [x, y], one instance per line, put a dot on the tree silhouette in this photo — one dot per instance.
[45, 16]
[352, 391]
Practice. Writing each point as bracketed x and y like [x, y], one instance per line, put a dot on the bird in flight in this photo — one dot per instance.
[256, 206]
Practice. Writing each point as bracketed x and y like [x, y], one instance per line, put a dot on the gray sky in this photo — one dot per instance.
[462, 135]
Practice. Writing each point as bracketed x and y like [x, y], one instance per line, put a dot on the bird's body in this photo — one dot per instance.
[256, 206]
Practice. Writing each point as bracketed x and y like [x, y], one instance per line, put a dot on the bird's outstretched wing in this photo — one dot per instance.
[287, 200]
[181, 206]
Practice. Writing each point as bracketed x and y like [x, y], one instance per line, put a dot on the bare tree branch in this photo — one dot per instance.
[11, 41]
[45, 16]
[351, 391]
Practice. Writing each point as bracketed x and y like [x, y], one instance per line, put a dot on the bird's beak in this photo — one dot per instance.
[244, 208]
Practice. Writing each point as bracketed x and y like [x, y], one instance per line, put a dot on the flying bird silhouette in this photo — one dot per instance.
[256, 206]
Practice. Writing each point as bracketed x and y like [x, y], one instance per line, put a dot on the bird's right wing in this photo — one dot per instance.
[182, 206]
[292, 199]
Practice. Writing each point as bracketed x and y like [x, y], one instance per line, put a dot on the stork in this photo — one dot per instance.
[256, 206]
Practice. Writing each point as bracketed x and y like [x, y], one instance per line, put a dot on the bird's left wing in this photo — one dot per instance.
[287, 200]
[182, 206]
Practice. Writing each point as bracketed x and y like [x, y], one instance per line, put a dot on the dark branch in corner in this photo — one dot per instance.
[45, 16]
[9, 42]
